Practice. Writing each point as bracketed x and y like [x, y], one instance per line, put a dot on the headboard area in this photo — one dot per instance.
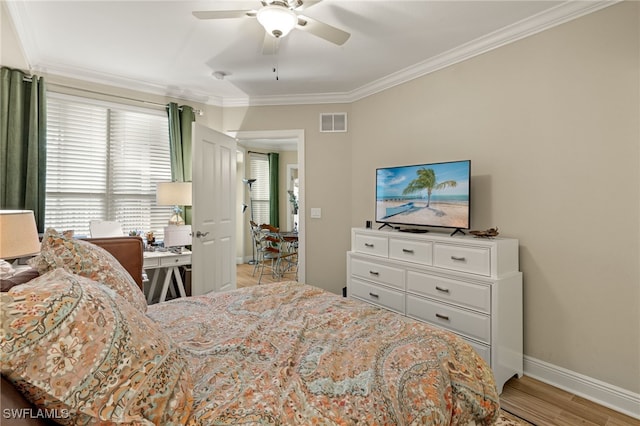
[128, 251]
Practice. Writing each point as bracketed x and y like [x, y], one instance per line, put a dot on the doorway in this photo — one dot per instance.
[265, 138]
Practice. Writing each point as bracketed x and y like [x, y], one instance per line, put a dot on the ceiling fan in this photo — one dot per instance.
[279, 17]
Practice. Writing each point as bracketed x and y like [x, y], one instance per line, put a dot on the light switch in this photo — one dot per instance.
[316, 212]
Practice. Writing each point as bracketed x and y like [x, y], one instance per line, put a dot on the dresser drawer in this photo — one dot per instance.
[388, 275]
[474, 296]
[474, 260]
[372, 244]
[411, 251]
[181, 259]
[377, 295]
[471, 324]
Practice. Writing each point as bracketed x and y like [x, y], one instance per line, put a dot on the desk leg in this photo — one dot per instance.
[171, 272]
[152, 288]
[165, 284]
[176, 272]
[172, 290]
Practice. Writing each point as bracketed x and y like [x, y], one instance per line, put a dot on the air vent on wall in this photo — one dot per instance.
[334, 122]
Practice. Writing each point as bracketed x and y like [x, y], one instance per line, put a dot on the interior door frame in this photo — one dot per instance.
[290, 169]
[297, 134]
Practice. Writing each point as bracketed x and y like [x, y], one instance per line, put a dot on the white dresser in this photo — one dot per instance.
[468, 285]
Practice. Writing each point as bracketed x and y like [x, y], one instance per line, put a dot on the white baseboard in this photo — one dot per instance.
[602, 393]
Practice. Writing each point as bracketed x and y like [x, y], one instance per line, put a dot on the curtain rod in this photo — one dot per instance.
[95, 92]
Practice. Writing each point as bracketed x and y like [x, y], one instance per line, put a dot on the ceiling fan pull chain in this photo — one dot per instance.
[275, 65]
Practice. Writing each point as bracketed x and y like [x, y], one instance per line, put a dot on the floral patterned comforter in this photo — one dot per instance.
[290, 353]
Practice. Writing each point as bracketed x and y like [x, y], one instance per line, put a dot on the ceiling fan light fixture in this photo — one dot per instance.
[278, 21]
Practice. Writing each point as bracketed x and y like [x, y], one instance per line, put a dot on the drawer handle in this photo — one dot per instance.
[374, 273]
[459, 259]
[444, 290]
[373, 295]
[177, 260]
[370, 245]
[444, 317]
[407, 251]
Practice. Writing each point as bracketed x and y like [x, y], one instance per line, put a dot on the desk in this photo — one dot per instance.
[170, 263]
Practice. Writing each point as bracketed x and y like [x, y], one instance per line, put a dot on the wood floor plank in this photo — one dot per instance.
[531, 409]
[569, 419]
[541, 390]
[611, 414]
[543, 404]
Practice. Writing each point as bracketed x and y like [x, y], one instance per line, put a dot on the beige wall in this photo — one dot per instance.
[551, 126]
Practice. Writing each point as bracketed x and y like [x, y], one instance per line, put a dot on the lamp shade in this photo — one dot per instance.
[277, 20]
[18, 234]
[173, 194]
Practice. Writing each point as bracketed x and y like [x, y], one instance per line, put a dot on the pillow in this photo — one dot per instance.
[77, 349]
[27, 275]
[88, 260]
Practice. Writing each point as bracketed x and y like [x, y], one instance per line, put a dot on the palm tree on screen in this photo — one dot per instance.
[427, 180]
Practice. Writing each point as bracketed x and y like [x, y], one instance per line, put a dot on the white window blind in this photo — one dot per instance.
[260, 191]
[103, 162]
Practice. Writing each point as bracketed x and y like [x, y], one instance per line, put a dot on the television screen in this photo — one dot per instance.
[434, 194]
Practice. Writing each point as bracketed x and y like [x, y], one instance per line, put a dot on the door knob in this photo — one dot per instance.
[201, 234]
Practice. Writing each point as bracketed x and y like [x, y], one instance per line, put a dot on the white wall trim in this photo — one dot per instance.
[602, 393]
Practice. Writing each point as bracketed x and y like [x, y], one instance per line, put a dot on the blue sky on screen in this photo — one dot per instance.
[391, 181]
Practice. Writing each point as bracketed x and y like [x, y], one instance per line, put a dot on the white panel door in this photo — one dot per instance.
[214, 211]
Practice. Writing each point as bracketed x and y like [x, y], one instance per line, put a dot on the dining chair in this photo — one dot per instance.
[277, 255]
[268, 250]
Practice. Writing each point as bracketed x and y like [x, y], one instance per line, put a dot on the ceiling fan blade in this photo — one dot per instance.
[322, 30]
[300, 5]
[224, 14]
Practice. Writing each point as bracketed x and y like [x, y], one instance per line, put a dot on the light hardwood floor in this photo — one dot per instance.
[542, 404]
[527, 398]
[246, 278]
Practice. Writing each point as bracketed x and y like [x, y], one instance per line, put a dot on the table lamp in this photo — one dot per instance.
[18, 238]
[174, 194]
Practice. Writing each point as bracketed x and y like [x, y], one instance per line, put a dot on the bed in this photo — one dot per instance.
[284, 353]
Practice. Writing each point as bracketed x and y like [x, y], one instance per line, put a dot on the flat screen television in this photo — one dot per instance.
[424, 195]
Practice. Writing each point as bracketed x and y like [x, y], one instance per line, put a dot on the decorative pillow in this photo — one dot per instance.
[7, 284]
[78, 349]
[88, 260]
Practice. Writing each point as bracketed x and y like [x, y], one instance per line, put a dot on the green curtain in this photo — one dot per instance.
[180, 119]
[23, 142]
[274, 201]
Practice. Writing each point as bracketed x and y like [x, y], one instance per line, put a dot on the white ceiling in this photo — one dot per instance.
[158, 46]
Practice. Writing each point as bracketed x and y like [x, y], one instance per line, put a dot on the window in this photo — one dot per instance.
[103, 163]
[260, 191]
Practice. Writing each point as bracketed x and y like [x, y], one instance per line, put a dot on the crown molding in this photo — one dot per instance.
[113, 80]
[560, 14]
